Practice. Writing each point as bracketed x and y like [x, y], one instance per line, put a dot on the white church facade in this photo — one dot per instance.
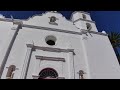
[50, 46]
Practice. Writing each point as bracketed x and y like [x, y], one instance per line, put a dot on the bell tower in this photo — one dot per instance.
[83, 21]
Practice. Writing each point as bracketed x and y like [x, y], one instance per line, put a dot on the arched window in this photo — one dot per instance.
[53, 19]
[89, 27]
[48, 73]
[11, 69]
[84, 16]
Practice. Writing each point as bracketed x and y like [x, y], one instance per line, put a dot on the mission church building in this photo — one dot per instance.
[48, 46]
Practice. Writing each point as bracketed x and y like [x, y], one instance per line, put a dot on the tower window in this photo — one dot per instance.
[11, 69]
[50, 40]
[48, 73]
[84, 16]
[89, 27]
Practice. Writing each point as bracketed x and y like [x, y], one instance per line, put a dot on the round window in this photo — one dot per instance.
[50, 40]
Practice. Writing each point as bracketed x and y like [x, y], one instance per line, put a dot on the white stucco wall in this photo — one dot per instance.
[64, 41]
[44, 19]
[6, 34]
[93, 54]
[102, 60]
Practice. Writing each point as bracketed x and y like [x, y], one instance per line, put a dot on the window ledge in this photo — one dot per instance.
[53, 23]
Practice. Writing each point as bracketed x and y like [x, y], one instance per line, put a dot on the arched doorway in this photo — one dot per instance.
[48, 73]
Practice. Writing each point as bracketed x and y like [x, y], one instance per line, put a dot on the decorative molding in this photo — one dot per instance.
[84, 12]
[100, 33]
[94, 32]
[26, 63]
[18, 22]
[50, 58]
[15, 21]
[9, 50]
[64, 31]
[51, 49]
[60, 77]
[84, 20]
[6, 19]
[15, 68]
[51, 29]
[37, 76]
[53, 23]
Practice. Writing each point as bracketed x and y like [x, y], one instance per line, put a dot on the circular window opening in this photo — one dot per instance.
[50, 40]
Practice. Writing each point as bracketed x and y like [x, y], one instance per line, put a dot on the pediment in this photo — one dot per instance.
[44, 21]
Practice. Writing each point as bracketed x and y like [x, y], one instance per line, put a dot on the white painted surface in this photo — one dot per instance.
[93, 53]
[103, 63]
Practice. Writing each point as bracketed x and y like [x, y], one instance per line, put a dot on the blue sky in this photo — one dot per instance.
[105, 20]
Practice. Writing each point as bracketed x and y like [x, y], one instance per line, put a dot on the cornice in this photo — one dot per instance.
[19, 22]
[50, 58]
[50, 49]
[84, 20]
[51, 29]
[94, 32]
